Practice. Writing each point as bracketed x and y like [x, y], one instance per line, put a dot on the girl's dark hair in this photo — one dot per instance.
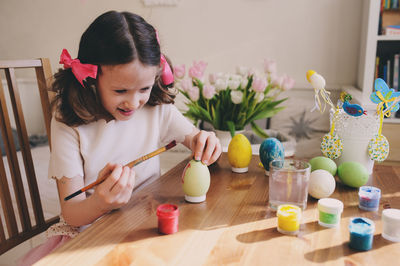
[113, 38]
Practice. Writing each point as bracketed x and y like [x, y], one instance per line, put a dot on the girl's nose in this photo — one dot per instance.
[133, 103]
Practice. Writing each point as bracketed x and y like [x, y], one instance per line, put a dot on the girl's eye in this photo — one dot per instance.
[120, 91]
[145, 89]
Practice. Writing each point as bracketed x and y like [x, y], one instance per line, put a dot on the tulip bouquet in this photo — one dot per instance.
[231, 101]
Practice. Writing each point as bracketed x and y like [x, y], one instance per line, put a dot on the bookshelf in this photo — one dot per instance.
[374, 43]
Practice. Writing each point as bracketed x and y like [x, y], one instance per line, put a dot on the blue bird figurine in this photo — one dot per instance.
[351, 109]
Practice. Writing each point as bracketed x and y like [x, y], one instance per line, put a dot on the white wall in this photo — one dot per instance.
[300, 34]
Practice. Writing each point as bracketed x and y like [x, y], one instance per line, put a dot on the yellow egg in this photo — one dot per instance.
[239, 153]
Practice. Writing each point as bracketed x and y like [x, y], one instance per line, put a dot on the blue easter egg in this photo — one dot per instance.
[271, 149]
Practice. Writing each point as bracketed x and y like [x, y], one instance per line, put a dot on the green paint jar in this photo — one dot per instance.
[330, 211]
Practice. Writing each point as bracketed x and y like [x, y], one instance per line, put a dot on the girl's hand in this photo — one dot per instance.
[116, 190]
[205, 147]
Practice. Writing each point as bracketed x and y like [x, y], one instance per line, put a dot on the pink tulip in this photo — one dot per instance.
[212, 78]
[287, 82]
[179, 71]
[270, 66]
[208, 91]
[186, 84]
[197, 70]
[276, 80]
[194, 93]
[259, 84]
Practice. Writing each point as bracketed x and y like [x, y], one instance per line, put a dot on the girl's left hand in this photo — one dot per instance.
[205, 147]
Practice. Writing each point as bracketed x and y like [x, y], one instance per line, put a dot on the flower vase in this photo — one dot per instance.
[225, 137]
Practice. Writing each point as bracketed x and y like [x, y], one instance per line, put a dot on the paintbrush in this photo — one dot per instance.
[130, 165]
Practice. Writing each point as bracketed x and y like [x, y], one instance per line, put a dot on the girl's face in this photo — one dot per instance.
[125, 88]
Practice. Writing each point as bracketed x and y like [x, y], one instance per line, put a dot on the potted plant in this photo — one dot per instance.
[229, 102]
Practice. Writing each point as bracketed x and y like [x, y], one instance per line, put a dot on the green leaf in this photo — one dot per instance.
[231, 127]
[261, 133]
[267, 113]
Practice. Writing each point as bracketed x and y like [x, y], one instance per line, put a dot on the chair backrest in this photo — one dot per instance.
[16, 226]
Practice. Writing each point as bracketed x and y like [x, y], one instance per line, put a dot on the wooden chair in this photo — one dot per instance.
[17, 234]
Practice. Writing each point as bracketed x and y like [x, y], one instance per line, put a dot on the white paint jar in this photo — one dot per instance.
[391, 224]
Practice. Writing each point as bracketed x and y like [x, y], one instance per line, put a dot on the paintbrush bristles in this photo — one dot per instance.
[171, 145]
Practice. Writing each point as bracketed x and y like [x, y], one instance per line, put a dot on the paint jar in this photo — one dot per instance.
[288, 183]
[330, 211]
[168, 215]
[369, 198]
[391, 224]
[361, 233]
[288, 219]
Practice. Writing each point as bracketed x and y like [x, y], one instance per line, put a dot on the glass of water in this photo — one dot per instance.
[288, 183]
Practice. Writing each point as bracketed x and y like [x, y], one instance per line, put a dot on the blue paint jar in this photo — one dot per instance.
[369, 198]
[361, 233]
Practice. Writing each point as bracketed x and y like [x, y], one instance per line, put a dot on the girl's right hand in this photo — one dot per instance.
[116, 190]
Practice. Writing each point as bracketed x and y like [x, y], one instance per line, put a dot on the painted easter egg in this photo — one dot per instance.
[196, 181]
[239, 153]
[321, 162]
[321, 184]
[378, 148]
[331, 146]
[271, 149]
[353, 174]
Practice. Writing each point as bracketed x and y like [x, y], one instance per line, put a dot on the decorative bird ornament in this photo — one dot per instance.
[351, 109]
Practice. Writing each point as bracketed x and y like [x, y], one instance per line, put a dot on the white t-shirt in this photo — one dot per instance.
[86, 149]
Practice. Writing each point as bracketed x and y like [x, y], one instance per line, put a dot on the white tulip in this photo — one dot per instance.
[233, 84]
[220, 85]
[235, 77]
[244, 82]
[236, 96]
[241, 70]
[259, 96]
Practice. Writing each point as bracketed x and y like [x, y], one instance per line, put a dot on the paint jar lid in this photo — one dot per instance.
[167, 211]
[391, 215]
[330, 205]
[369, 192]
[289, 212]
[361, 226]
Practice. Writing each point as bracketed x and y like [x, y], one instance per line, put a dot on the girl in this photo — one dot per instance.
[113, 105]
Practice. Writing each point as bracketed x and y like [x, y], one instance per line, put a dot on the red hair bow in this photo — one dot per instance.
[167, 77]
[80, 71]
[166, 74]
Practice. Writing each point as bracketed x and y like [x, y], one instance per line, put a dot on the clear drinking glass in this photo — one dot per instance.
[288, 183]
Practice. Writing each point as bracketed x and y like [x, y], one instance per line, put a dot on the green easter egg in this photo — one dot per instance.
[324, 163]
[353, 174]
[196, 179]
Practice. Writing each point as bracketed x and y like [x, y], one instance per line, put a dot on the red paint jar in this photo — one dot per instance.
[168, 215]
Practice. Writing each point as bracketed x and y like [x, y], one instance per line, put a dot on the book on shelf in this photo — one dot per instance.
[377, 67]
[396, 72]
[390, 4]
[392, 30]
[387, 67]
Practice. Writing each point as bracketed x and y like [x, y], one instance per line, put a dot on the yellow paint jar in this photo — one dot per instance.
[289, 217]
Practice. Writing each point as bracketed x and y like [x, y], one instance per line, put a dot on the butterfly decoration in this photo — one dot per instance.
[386, 98]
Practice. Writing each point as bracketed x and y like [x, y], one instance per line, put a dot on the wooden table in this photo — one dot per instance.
[233, 226]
